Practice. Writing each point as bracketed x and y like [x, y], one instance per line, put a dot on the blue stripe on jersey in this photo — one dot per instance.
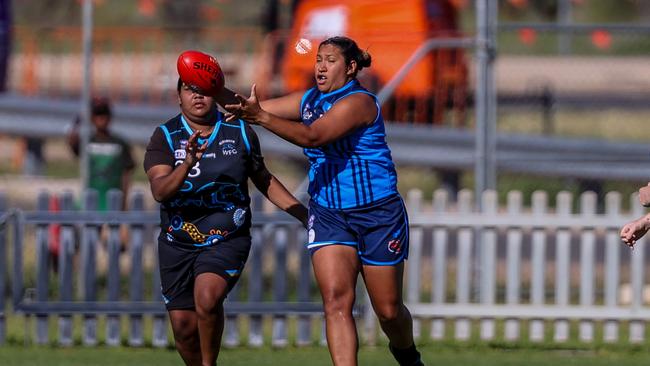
[369, 180]
[330, 183]
[229, 125]
[354, 180]
[244, 136]
[362, 182]
[338, 191]
[308, 93]
[167, 136]
[213, 135]
[345, 87]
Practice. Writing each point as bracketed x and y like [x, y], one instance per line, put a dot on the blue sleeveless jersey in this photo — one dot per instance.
[355, 170]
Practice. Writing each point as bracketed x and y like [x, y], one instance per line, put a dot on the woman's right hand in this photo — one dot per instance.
[248, 109]
[194, 152]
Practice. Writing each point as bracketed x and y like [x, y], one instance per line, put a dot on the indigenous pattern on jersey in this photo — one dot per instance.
[213, 202]
[355, 170]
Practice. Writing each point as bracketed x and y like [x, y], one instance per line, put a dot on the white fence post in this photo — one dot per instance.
[612, 264]
[136, 280]
[538, 263]
[413, 267]
[113, 328]
[439, 262]
[637, 273]
[66, 254]
[563, 203]
[279, 329]
[488, 263]
[587, 259]
[464, 266]
[42, 269]
[513, 266]
[88, 272]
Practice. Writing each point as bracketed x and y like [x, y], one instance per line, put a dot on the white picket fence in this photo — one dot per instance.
[486, 275]
[572, 264]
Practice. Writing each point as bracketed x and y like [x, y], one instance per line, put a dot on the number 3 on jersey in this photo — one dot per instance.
[195, 172]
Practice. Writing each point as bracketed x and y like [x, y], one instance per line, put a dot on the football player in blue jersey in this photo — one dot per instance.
[357, 220]
[198, 167]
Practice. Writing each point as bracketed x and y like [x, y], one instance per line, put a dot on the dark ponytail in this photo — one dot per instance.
[350, 51]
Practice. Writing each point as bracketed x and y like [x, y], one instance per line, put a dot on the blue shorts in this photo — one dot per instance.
[379, 231]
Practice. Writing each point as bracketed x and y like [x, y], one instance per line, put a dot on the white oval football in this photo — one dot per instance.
[303, 46]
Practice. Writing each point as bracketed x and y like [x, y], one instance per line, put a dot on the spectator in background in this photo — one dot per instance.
[110, 164]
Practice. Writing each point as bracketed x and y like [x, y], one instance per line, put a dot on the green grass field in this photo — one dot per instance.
[316, 356]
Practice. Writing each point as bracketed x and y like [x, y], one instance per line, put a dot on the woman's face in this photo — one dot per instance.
[194, 105]
[331, 71]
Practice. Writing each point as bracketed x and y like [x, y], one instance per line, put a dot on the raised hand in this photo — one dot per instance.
[248, 109]
[194, 152]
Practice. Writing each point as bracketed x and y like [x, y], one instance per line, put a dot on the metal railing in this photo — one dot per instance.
[437, 147]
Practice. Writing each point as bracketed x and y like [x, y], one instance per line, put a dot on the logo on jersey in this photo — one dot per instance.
[180, 154]
[306, 113]
[312, 236]
[327, 106]
[239, 217]
[228, 147]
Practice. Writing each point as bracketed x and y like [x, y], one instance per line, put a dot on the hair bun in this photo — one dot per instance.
[365, 60]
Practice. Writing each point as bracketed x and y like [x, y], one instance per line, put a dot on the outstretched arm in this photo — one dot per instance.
[287, 107]
[347, 115]
[277, 193]
[635, 230]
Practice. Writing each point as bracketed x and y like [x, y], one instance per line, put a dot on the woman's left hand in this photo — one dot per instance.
[248, 109]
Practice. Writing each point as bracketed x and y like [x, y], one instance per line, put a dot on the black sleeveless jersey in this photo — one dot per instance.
[213, 202]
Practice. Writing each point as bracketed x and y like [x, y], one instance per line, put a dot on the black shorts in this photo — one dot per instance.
[180, 264]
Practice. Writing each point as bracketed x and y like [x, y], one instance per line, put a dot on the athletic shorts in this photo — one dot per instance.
[181, 263]
[379, 231]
